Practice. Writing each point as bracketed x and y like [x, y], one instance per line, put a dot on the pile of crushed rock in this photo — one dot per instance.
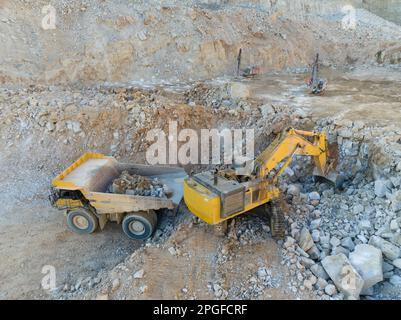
[133, 184]
[346, 245]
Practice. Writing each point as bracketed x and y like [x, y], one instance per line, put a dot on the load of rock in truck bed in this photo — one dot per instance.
[133, 184]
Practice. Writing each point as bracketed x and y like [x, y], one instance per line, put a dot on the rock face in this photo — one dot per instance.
[390, 251]
[368, 261]
[344, 275]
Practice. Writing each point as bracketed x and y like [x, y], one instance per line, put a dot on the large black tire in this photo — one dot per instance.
[82, 221]
[277, 221]
[140, 225]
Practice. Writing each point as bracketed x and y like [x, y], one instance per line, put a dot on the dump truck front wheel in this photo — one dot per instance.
[140, 225]
[82, 221]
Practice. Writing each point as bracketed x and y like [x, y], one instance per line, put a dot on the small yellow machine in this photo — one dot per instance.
[216, 196]
[82, 191]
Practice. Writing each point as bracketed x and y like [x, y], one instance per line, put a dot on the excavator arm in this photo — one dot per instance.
[296, 142]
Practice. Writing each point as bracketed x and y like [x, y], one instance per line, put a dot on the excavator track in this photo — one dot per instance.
[277, 221]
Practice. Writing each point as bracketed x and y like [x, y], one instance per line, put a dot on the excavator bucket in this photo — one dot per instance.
[332, 176]
[174, 179]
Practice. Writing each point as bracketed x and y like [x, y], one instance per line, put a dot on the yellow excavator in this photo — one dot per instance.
[219, 195]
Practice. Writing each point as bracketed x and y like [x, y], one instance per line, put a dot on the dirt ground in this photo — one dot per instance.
[368, 94]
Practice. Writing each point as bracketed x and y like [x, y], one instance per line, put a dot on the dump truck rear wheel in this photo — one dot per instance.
[277, 221]
[140, 225]
[82, 221]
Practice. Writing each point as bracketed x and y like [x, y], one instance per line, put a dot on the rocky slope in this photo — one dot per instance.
[161, 40]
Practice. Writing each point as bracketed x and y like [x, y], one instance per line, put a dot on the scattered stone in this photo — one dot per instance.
[319, 271]
[396, 201]
[338, 250]
[387, 267]
[396, 239]
[316, 235]
[289, 242]
[368, 261]
[139, 274]
[335, 242]
[389, 250]
[293, 190]
[397, 263]
[394, 225]
[330, 289]
[306, 262]
[314, 195]
[101, 296]
[365, 225]
[262, 273]
[172, 251]
[395, 280]
[308, 284]
[74, 126]
[143, 289]
[314, 253]
[315, 224]
[381, 188]
[321, 284]
[367, 292]
[347, 243]
[115, 284]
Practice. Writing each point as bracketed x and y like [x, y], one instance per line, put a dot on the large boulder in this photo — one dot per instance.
[368, 261]
[390, 251]
[344, 275]
[305, 240]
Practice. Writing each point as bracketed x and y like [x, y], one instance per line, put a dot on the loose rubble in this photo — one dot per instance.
[138, 186]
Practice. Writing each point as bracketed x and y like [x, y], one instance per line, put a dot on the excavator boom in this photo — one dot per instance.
[296, 142]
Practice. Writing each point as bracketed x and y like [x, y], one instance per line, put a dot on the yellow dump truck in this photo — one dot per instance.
[82, 191]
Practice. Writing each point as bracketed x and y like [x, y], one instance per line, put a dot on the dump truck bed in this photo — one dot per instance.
[93, 173]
